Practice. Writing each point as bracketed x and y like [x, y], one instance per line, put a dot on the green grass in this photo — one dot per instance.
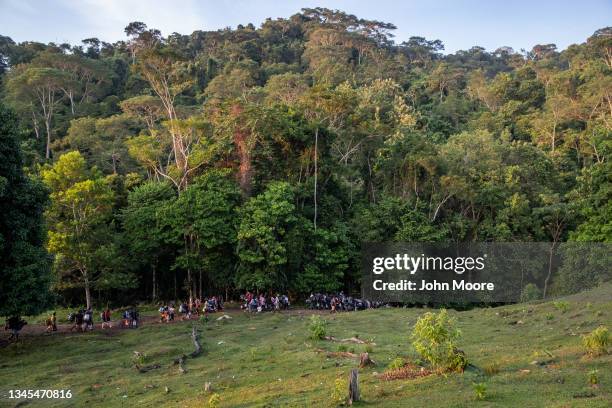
[268, 360]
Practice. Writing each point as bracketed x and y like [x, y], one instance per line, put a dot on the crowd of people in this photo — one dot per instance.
[262, 303]
[83, 319]
[339, 302]
[191, 309]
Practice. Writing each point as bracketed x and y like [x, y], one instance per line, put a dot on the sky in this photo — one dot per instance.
[460, 24]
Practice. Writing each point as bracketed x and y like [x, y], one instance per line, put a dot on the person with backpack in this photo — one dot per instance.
[106, 318]
[135, 318]
[276, 302]
[88, 320]
[78, 321]
[163, 315]
[51, 323]
[14, 324]
[171, 312]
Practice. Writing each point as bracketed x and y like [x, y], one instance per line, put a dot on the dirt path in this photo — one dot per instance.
[31, 330]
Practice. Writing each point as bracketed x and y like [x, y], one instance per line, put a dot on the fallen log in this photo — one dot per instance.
[147, 368]
[180, 361]
[349, 340]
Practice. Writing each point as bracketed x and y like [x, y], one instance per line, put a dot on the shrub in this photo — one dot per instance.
[593, 379]
[549, 316]
[213, 401]
[339, 393]
[396, 363]
[342, 348]
[480, 391]
[434, 337]
[597, 342]
[530, 293]
[317, 327]
[561, 306]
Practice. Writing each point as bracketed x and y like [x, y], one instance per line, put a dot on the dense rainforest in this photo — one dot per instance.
[262, 158]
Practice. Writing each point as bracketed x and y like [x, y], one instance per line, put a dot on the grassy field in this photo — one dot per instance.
[530, 356]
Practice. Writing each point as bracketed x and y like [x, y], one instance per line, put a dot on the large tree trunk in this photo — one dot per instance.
[200, 284]
[48, 149]
[87, 292]
[316, 171]
[550, 259]
[153, 273]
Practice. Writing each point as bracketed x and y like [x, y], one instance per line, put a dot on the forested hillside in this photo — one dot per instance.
[261, 158]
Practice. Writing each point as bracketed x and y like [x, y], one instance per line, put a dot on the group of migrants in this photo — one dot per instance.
[83, 320]
[262, 303]
[339, 302]
[190, 309]
[14, 324]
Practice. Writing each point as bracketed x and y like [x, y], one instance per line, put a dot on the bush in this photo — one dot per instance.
[530, 293]
[480, 391]
[434, 337]
[561, 306]
[340, 391]
[213, 401]
[597, 342]
[396, 363]
[593, 378]
[317, 327]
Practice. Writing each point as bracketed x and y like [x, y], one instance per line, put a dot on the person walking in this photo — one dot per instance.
[106, 318]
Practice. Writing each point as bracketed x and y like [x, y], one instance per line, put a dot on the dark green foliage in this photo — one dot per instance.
[25, 265]
[286, 146]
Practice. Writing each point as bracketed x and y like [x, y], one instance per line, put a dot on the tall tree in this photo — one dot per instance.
[25, 265]
[40, 91]
[86, 254]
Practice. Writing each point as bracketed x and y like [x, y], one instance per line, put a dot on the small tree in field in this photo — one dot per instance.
[434, 338]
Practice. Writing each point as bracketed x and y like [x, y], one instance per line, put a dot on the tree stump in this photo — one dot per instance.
[353, 386]
[365, 360]
[196, 343]
[181, 363]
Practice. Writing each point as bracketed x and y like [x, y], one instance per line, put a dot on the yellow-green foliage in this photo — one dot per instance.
[396, 363]
[561, 306]
[593, 379]
[213, 401]
[340, 391]
[317, 327]
[480, 391]
[434, 338]
[597, 342]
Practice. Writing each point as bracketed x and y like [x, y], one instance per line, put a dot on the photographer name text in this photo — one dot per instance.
[423, 285]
